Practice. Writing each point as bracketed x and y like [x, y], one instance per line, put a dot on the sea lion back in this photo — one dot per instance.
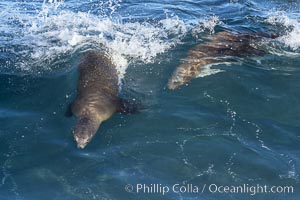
[97, 90]
[97, 70]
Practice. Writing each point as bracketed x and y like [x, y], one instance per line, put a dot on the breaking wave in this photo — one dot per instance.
[51, 32]
[291, 29]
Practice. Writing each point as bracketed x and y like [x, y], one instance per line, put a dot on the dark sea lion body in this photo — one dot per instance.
[97, 95]
[220, 47]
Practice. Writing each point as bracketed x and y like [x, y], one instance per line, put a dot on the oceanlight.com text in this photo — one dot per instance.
[164, 189]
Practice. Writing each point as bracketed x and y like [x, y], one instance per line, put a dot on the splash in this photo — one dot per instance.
[208, 23]
[291, 38]
[55, 31]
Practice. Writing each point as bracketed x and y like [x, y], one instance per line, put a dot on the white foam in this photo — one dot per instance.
[54, 31]
[207, 70]
[291, 38]
[208, 23]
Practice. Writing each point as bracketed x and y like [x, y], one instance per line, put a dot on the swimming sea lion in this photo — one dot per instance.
[220, 47]
[97, 96]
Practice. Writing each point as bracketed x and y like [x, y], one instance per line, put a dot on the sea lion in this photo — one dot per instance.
[97, 96]
[220, 47]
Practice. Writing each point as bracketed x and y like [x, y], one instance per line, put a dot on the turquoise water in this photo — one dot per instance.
[236, 125]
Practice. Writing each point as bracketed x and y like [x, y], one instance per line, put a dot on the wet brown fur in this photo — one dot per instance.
[97, 95]
[219, 48]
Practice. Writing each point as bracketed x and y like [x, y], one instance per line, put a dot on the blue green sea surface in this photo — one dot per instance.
[231, 134]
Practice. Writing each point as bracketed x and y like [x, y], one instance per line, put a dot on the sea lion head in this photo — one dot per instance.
[182, 75]
[84, 132]
[173, 84]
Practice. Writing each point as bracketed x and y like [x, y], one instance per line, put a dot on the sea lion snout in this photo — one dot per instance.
[81, 142]
[178, 78]
[83, 132]
[173, 84]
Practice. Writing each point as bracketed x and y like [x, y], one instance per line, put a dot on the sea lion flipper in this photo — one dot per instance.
[129, 106]
[69, 112]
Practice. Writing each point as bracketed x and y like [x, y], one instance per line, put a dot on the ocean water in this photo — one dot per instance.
[235, 125]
